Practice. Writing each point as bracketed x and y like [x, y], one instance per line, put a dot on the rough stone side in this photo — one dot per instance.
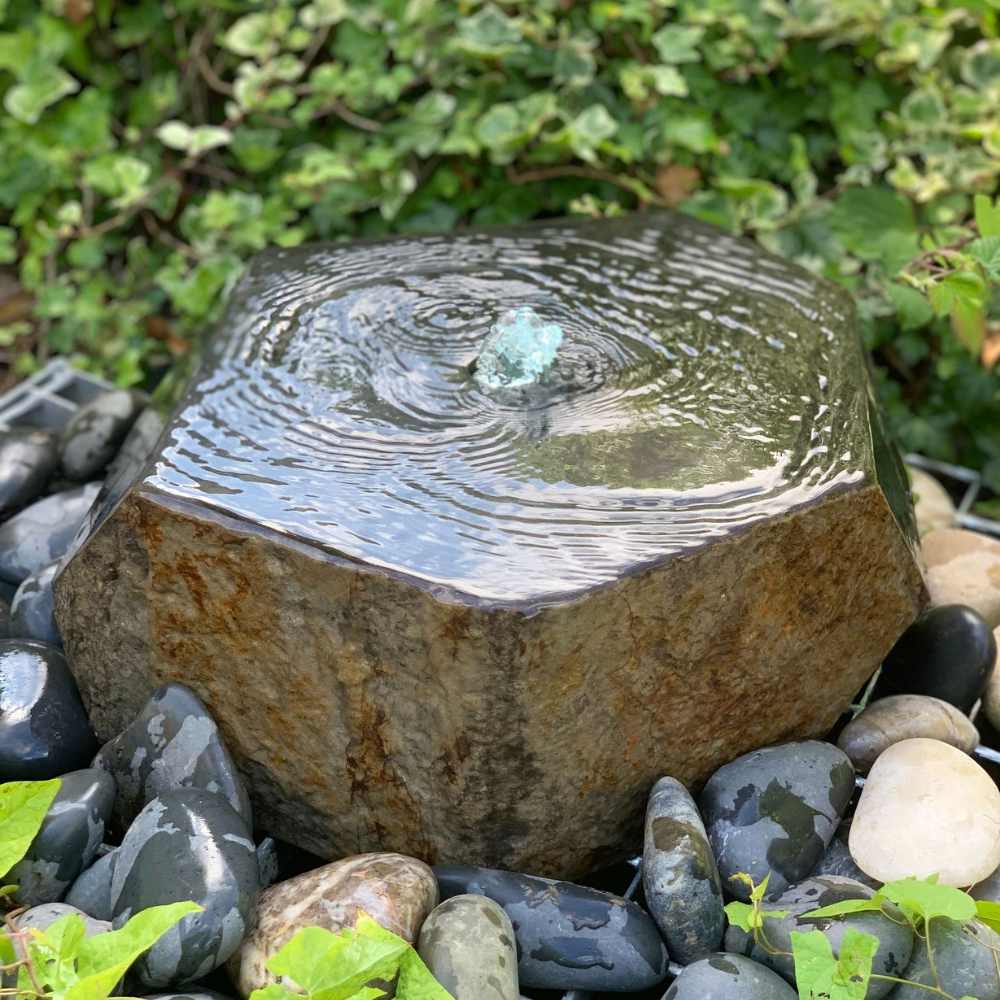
[367, 715]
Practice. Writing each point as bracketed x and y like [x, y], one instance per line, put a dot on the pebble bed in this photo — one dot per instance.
[159, 814]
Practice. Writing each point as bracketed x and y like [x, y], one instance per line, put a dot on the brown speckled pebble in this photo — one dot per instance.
[396, 891]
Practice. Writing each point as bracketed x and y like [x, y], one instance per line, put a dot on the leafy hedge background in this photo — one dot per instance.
[150, 147]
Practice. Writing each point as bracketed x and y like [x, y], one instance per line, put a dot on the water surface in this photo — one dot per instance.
[702, 385]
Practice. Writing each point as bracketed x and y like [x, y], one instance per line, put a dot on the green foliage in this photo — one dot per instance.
[23, 805]
[329, 966]
[149, 148]
[62, 964]
[819, 975]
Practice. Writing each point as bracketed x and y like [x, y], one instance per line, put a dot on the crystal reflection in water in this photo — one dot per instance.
[701, 385]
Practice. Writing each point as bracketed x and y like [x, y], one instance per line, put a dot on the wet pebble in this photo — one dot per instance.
[932, 504]
[894, 934]
[991, 696]
[903, 717]
[68, 839]
[729, 977]
[32, 615]
[93, 435]
[468, 944]
[28, 457]
[396, 891]
[172, 743]
[963, 567]
[188, 844]
[42, 917]
[927, 809]
[44, 729]
[568, 937]
[680, 877]
[964, 962]
[42, 533]
[947, 653]
[775, 811]
[91, 892]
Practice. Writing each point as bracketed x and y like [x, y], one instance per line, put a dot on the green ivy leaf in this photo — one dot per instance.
[193, 141]
[677, 43]
[23, 805]
[40, 85]
[820, 976]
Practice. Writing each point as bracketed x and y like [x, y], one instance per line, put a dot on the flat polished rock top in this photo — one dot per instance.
[702, 385]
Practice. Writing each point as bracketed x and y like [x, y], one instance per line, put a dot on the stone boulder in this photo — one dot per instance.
[477, 626]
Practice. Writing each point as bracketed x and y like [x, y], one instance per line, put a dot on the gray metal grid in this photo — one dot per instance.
[50, 397]
[964, 518]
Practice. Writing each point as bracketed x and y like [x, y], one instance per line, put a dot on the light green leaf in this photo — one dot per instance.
[321, 13]
[103, 959]
[40, 86]
[678, 43]
[987, 215]
[876, 224]
[193, 141]
[820, 976]
[927, 899]
[989, 913]
[489, 32]
[667, 81]
[911, 306]
[987, 251]
[23, 805]
[337, 966]
[8, 254]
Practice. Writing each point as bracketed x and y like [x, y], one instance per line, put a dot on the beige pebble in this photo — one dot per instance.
[398, 892]
[932, 505]
[904, 717]
[991, 696]
[963, 567]
[927, 808]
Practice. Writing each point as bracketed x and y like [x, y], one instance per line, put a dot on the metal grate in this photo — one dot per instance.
[50, 397]
[964, 518]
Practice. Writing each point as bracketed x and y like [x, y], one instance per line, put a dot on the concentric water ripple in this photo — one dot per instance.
[701, 385]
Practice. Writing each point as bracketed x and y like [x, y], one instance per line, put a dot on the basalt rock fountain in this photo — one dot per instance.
[472, 615]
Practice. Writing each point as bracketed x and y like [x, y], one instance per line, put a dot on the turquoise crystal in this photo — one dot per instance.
[518, 350]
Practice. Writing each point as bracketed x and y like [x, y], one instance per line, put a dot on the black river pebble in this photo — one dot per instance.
[32, 614]
[93, 435]
[187, 844]
[42, 533]
[774, 811]
[28, 457]
[568, 936]
[948, 653]
[44, 729]
[68, 840]
[172, 743]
